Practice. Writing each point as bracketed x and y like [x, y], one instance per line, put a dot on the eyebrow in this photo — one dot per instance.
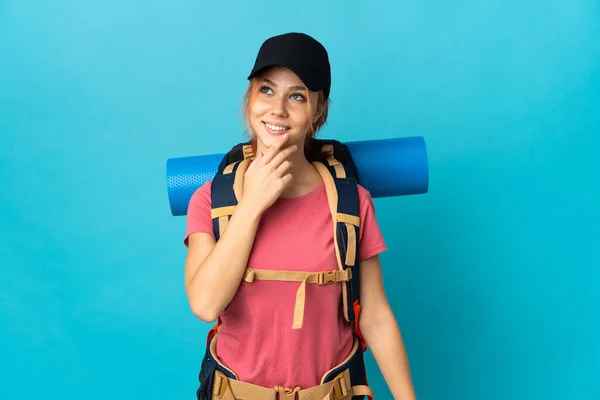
[270, 82]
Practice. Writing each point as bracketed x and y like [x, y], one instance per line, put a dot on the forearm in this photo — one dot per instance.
[218, 277]
[385, 341]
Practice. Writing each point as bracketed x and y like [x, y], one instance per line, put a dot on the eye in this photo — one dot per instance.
[266, 89]
[298, 97]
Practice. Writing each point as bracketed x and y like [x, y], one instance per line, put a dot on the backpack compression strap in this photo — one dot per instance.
[230, 175]
[344, 205]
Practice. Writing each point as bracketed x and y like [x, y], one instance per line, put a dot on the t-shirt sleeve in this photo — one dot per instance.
[198, 214]
[371, 240]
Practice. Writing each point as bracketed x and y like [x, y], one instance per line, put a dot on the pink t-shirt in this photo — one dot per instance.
[256, 339]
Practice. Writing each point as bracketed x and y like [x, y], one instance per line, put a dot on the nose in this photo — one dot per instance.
[279, 107]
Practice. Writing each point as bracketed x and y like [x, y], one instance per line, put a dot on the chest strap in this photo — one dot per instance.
[319, 278]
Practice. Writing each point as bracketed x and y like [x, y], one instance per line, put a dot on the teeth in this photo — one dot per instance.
[275, 127]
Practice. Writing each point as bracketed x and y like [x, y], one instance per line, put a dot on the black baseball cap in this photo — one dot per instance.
[300, 53]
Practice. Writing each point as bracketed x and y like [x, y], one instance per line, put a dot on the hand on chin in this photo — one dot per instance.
[268, 140]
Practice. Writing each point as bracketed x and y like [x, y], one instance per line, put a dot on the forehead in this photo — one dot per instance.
[282, 76]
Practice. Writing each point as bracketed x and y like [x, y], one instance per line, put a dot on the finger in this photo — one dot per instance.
[282, 155]
[253, 162]
[286, 179]
[274, 149]
[283, 168]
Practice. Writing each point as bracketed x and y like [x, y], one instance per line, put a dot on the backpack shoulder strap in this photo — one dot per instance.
[341, 183]
[226, 186]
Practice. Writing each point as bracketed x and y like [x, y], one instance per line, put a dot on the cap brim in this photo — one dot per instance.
[306, 78]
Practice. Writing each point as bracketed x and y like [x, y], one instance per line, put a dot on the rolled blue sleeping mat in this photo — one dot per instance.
[386, 168]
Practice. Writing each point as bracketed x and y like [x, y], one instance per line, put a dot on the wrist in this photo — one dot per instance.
[250, 211]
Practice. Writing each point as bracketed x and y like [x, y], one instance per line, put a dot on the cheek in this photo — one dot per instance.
[258, 108]
[300, 115]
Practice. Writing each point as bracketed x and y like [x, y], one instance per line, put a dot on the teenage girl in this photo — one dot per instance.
[283, 222]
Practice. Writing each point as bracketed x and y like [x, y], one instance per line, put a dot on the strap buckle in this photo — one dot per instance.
[219, 385]
[248, 152]
[249, 275]
[284, 393]
[340, 389]
[324, 278]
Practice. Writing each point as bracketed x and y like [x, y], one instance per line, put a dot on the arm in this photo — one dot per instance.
[381, 332]
[214, 270]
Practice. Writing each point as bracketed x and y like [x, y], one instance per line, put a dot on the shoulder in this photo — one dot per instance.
[371, 238]
[199, 212]
[203, 190]
[364, 196]
[366, 204]
[201, 196]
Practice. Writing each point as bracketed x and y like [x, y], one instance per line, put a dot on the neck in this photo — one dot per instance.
[305, 177]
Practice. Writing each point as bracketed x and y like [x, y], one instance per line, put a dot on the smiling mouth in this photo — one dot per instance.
[276, 128]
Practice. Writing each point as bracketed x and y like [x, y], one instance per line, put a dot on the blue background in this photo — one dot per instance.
[493, 275]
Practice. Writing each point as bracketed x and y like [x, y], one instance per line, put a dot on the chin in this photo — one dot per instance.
[268, 139]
